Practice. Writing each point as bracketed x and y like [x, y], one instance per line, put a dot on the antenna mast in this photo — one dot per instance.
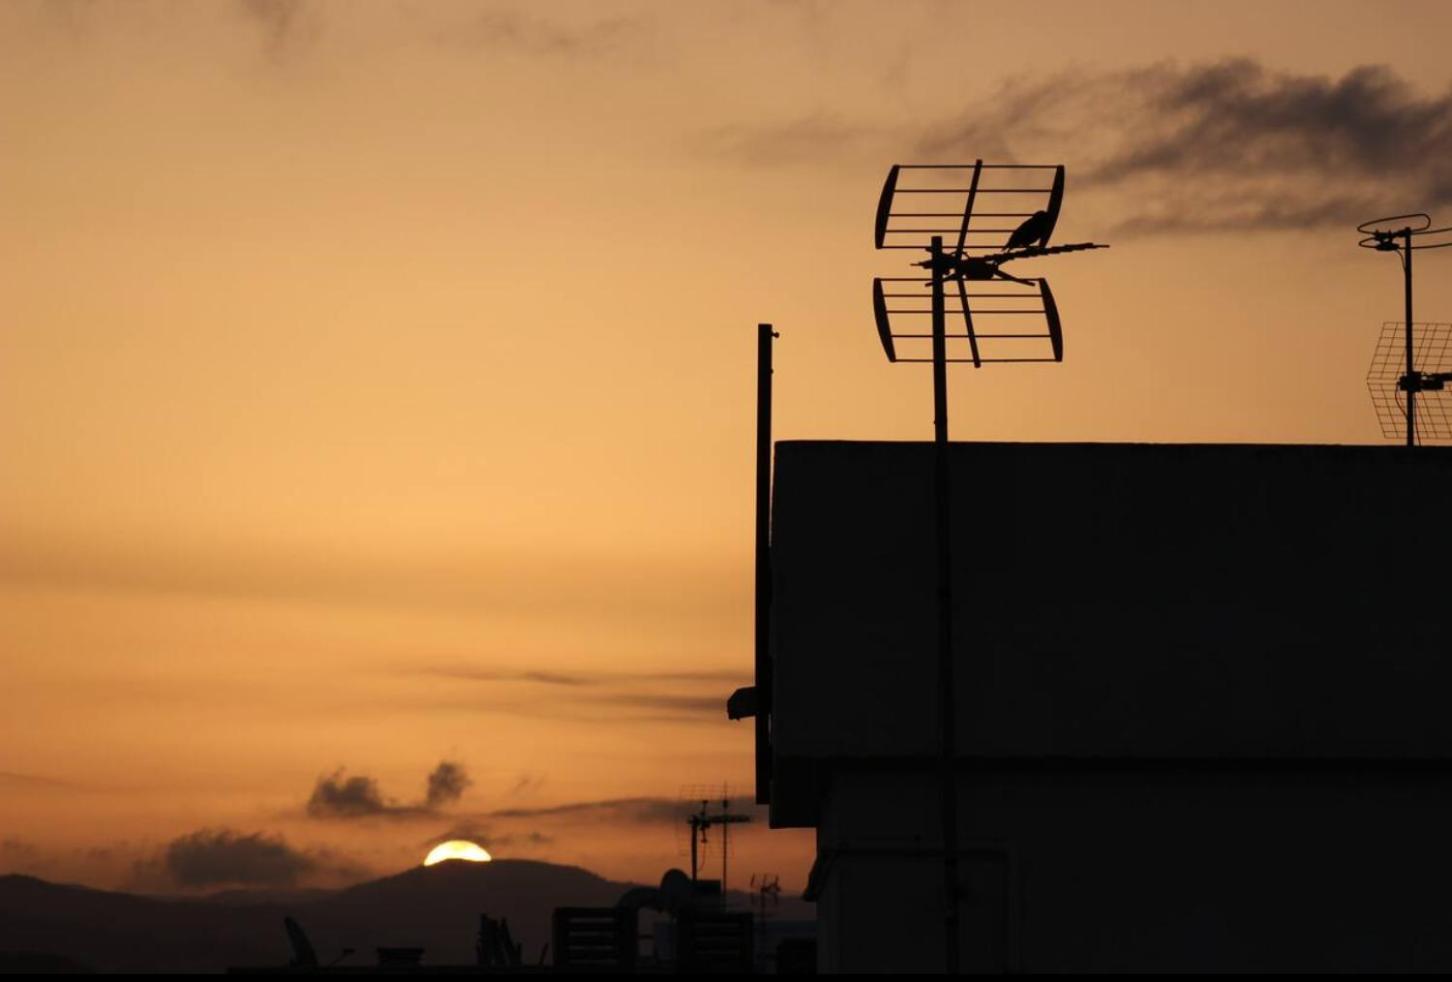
[702, 821]
[1399, 234]
[914, 200]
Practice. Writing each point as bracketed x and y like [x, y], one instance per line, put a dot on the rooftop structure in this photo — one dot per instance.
[1200, 704]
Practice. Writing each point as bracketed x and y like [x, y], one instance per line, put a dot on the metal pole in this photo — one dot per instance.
[946, 691]
[695, 831]
[764, 334]
[725, 829]
[1411, 366]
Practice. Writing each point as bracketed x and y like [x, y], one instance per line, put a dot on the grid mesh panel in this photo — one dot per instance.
[1010, 320]
[1431, 354]
[930, 200]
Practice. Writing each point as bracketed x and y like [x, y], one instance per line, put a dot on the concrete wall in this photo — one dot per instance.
[1141, 601]
[1202, 700]
[1108, 870]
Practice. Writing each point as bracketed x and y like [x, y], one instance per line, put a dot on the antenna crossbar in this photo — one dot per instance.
[977, 165]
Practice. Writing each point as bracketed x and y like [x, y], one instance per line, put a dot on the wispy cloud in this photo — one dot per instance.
[812, 137]
[634, 810]
[281, 22]
[642, 810]
[713, 706]
[541, 825]
[669, 696]
[573, 679]
[504, 675]
[488, 837]
[1232, 145]
[15, 779]
[527, 782]
[15, 851]
[525, 30]
[1227, 146]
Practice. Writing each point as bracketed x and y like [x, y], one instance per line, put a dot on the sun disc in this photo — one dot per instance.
[457, 849]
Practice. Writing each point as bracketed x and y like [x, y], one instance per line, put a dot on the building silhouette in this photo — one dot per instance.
[1201, 696]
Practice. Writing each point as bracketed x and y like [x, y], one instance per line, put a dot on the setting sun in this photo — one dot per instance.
[457, 849]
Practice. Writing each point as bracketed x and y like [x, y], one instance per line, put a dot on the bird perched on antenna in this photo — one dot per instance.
[1034, 231]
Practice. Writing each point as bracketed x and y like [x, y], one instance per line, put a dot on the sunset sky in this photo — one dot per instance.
[377, 377]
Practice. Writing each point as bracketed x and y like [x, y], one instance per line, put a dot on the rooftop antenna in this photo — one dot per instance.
[765, 893]
[1006, 318]
[1400, 234]
[765, 897]
[701, 822]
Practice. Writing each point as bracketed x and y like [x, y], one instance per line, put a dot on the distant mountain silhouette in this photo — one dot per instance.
[119, 932]
[436, 908]
[264, 895]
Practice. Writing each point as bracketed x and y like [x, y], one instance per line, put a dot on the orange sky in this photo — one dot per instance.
[376, 377]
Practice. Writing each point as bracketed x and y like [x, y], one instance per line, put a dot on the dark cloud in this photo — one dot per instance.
[1231, 145]
[1227, 146]
[446, 784]
[339, 796]
[218, 857]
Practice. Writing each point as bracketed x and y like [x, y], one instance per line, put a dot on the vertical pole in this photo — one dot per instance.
[1411, 365]
[725, 830]
[695, 831]
[947, 693]
[764, 334]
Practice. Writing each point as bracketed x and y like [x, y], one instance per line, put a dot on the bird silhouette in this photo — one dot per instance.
[1034, 231]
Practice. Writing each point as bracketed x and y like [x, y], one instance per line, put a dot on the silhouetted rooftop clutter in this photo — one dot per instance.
[700, 930]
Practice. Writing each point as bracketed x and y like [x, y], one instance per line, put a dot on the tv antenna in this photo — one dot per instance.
[765, 893]
[1005, 318]
[701, 822]
[1425, 364]
[765, 897]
